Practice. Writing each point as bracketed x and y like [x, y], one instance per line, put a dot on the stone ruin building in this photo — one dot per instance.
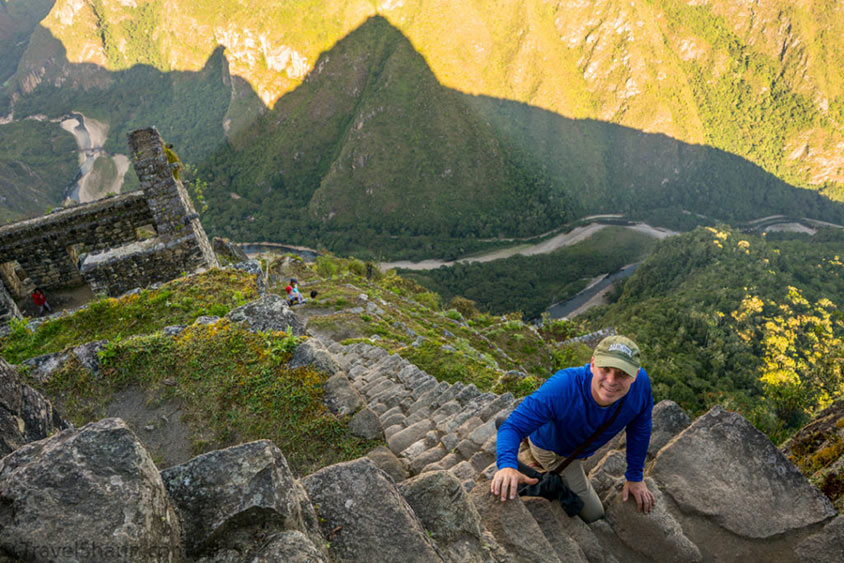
[112, 245]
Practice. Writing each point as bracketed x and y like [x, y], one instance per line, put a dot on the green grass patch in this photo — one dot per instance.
[180, 301]
[234, 387]
[451, 365]
[518, 386]
[37, 160]
[524, 346]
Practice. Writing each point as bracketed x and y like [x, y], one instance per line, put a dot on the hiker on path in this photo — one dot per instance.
[40, 301]
[566, 411]
[294, 297]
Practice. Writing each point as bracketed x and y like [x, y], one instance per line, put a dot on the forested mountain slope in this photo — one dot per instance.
[735, 319]
[395, 119]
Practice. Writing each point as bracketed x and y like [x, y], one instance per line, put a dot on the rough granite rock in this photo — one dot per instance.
[253, 267]
[269, 313]
[246, 486]
[42, 368]
[10, 387]
[388, 462]
[25, 415]
[11, 433]
[669, 419]
[658, 536]
[431, 455]
[364, 517]
[723, 468]
[173, 330]
[581, 532]
[341, 397]
[482, 432]
[512, 525]
[88, 354]
[313, 352]
[290, 547]
[227, 252]
[366, 424]
[39, 417]
[95, 486]
[440, 502]
[826, 546]
[550, 524]
[399, 441]
[608, 472]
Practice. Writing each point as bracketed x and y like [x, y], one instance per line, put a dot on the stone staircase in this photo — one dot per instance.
[431, 426]
[724, 492]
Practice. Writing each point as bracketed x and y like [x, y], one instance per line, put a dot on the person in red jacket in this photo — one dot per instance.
[40, 301]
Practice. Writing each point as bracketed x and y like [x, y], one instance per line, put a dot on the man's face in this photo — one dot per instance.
[609, 384]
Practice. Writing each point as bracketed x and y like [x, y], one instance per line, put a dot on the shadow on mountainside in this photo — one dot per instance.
[612, 168]
[192, 110]
[371, 146]
[18, 18]
[396, 152]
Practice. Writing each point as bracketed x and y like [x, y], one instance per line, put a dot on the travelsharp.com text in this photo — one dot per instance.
[84, 550]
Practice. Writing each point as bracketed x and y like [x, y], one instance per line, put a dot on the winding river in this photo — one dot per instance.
[592, 295]
[90, 136]
[578, 234]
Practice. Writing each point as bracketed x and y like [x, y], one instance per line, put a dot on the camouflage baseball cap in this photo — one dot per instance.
[618, 352]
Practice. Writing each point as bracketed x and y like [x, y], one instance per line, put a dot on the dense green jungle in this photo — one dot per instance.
[376, 130]
[746, 321]
[369, 129]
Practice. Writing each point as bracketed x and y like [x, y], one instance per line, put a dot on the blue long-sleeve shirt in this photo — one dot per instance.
[562, 414]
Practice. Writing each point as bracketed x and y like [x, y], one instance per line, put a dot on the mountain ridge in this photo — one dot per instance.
[655, 66]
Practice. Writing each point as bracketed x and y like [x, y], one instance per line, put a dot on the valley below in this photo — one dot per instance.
[92, 181]
[562, 240]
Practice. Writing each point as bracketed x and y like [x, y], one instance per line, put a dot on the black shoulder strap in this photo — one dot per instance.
[579, 450]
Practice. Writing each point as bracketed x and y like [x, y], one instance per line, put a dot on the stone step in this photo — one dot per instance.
[429, 398]
[420, 414]
[500, 403]
[399, 441]
[392, 416]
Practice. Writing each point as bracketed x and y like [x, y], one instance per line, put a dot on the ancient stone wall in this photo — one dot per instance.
[180, 245]
[8, 311]
[141, 263]
[168, 200]
[101, 243]
[47, 249]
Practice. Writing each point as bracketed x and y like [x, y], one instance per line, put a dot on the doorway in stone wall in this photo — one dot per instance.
[15, 279]
[75, 292]
[63, 299]
[20, 286]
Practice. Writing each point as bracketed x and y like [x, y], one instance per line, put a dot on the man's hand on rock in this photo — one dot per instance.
[645, 500]
[506, 481]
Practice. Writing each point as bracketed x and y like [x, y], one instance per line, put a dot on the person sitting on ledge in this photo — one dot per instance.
[294, 297]
[566, 411]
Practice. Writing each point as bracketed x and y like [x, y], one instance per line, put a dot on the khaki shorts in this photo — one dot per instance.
[574, 477]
